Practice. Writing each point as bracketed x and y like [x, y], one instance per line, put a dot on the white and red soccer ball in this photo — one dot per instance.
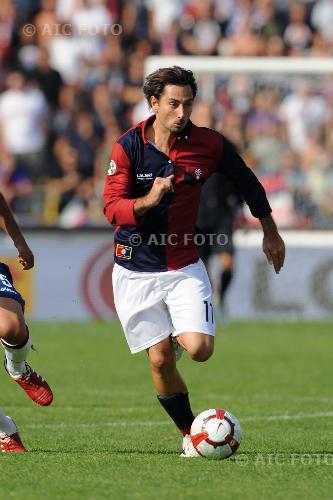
[216, 434]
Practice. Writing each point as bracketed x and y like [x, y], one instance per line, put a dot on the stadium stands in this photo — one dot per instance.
[71, 73]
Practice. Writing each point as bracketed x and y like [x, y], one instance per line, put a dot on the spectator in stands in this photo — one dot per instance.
[203, 33]
[7, 19]
[65, 54]
[61, 187]
[46, 22]
[92, 77]
[303, 111]
[297, 35]
[246, 43]
[322, 18]
[161, 16]
[63, 116]
[14, 182]
[23, 124]
[84, 139]
[264, 132]
[49, 79]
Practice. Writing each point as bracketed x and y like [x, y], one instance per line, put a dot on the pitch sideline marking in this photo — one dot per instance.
[268, 418]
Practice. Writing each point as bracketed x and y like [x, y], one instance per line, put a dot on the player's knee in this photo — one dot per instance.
[11, 328]
[161, 361]
[202, 355]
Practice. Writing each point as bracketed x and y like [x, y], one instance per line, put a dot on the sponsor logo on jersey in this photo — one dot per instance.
[144, 177]
[112, 167]
[123, 252]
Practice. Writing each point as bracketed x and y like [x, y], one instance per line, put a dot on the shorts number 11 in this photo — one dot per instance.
[209, 305]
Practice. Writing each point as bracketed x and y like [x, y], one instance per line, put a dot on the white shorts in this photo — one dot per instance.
[151, 306]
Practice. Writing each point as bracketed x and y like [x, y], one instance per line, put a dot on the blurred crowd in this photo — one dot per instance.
[71, 74]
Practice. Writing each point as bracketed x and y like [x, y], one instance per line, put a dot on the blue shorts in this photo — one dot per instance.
[7, 288]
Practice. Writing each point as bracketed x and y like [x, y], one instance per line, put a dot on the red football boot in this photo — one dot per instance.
[35, 386]
[11, 444]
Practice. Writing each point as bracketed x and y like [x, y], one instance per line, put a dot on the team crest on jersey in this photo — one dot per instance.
[197, 173]
[112, 167]
[123, 252]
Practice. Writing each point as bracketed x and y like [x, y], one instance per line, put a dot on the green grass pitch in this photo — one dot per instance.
[106, 437]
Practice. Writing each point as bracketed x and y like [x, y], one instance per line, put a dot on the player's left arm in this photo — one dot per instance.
[232, 165]
[10, 226]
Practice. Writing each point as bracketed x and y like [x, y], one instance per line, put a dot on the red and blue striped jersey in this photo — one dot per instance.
[164, 238]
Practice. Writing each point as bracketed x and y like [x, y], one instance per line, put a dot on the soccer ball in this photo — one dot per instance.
[216, 434]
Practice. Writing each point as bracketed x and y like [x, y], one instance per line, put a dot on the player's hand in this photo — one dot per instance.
[274, 249]
[25, 257]
[161, 186]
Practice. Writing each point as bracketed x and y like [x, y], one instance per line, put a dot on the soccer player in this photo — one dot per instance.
[14, 334]
[161, 288]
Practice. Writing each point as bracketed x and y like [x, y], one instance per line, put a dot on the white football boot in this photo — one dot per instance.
[188, 449]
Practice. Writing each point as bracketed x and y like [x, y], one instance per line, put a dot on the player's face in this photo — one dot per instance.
[174, 108]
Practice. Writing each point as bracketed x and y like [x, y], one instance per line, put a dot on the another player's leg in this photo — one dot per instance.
[172, 391]
[226, 264]
[14, 338]
[10, 441]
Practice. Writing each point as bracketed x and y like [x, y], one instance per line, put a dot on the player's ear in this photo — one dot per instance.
[154, 103]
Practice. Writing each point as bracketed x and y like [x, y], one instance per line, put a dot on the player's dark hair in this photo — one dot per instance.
[156, 82]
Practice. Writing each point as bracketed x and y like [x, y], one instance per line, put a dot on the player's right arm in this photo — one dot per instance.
[10, 226]
[119, 208]
[118, 205]
[161, 186]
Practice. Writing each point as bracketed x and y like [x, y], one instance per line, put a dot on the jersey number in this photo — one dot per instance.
[210, 316]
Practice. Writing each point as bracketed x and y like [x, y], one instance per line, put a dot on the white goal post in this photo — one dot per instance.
[229, 65]
[207, 68]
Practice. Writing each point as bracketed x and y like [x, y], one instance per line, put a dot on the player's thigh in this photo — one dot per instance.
[190, 302]
[197, 341]
[11, 318]
[140, 305]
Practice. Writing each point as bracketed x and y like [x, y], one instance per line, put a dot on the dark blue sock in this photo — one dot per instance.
[179, 409]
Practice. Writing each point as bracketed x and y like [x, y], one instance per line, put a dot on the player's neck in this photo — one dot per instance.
[160, 136]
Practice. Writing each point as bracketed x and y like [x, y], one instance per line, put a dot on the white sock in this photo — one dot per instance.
[7, 425]
[15, 358]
